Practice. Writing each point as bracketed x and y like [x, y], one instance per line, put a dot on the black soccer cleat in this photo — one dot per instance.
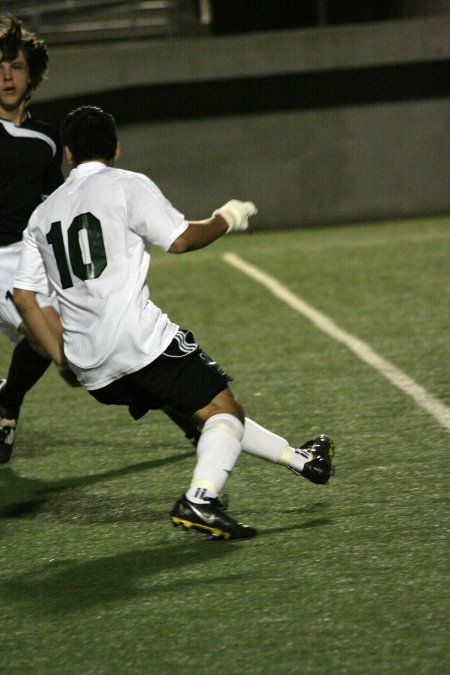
[209, 519]
[7, 433]
[319, 468]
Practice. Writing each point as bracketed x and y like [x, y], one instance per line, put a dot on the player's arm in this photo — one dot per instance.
[231, 217]
[54, 176]
[36, 323]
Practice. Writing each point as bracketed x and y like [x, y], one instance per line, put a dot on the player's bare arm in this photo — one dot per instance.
[38, 326]
[231, 217]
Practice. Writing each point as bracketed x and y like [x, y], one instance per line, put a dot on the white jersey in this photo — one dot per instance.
[89, 242]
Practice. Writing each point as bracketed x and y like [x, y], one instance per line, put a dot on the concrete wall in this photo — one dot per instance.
[316, 126]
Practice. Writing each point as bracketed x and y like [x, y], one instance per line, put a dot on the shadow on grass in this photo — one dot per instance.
[71, 585]
[22, 497]
[318, 522]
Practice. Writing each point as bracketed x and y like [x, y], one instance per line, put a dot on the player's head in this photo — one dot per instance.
[89, 133]
[15, 39]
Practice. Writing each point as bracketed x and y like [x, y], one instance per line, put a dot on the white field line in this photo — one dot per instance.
[428, 402]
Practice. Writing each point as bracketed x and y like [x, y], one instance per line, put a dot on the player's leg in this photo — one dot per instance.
[219, 446]
[218, 450]
[195, 386]
[311, 460]
[185, 423]
[26, 367]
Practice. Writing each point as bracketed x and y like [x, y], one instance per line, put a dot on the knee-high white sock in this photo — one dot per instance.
[218, 449]
[265, 444]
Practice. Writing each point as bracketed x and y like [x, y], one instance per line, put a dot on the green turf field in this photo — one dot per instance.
[346, 578]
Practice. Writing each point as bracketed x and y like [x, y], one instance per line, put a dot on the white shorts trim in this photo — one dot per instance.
[10, 318]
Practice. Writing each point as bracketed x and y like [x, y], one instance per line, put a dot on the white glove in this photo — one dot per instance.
[236, 214]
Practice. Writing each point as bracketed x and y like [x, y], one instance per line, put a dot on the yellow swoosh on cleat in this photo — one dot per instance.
[197, 526]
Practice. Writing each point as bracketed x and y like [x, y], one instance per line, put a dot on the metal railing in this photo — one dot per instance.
[79, 21]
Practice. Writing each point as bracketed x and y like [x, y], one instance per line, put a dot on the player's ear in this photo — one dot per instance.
[69, 156]
[118, 151]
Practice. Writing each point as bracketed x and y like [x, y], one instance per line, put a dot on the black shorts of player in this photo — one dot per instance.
[183, 377]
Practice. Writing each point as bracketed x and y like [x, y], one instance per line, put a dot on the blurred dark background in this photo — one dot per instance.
[240, 16]
[65, 21]
[321, 111]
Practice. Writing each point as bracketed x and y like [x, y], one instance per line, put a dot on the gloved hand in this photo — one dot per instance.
[236, 214]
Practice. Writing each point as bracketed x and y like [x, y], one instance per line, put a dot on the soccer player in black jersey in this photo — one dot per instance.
[30, 169]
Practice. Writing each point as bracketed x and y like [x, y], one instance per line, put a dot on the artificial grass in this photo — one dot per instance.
[345, 578]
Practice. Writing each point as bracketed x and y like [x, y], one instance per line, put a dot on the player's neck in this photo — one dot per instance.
[16, 116]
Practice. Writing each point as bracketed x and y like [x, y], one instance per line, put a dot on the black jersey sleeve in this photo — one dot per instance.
[53, 177]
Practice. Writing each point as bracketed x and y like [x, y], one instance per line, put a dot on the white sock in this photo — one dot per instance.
[218, 450]
[265, 444]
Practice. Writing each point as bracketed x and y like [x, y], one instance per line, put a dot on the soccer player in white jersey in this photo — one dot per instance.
[89, 241]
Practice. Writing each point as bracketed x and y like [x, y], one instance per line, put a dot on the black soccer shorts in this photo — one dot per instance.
[183, 377]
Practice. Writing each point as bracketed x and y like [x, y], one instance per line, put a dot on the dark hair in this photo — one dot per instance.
[90, 133]
[14, 37]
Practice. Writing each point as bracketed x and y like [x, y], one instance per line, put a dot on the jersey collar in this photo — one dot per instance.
[87, 168]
